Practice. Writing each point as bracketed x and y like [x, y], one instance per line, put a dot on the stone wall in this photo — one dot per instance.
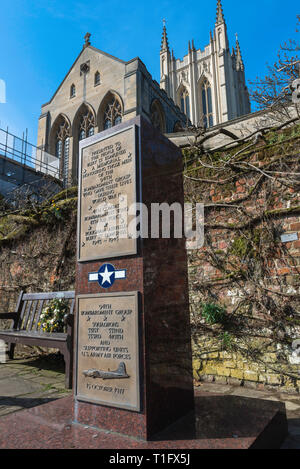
[37, 250]
[244, 282]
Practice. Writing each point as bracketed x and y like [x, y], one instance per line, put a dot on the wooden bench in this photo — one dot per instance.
[25, 327]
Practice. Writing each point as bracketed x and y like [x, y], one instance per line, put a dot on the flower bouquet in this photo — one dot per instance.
[52, 316]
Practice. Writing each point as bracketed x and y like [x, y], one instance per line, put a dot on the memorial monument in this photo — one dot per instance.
[133, 367]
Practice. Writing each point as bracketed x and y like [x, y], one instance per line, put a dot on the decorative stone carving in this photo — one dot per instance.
[184, 76]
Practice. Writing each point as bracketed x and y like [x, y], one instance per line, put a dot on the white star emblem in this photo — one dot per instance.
[106, 275]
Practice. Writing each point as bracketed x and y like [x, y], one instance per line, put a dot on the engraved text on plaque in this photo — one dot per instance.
[107, 350]
[107, 188]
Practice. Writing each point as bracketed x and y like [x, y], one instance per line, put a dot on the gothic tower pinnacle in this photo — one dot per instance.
[209, 86]
[221, 29]
[164, 40]
[220, 15]
[239, 60]
[165, 60]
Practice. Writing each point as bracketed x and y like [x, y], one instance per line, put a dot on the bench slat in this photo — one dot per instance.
[46, 304]
[26, 318]
[32, 315]
[34, 334]
[39, 314]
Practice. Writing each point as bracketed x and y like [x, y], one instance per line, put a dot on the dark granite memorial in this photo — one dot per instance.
[219, 422]
[151, 345]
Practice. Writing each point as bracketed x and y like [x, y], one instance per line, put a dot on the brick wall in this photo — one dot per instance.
[244, 267]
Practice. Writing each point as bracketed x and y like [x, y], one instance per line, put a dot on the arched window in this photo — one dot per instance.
[62, 147]
[157, 115]
[185, 102]
[72, 91]
[86, 124]
[178, 127]
[112, 113]
[207, 105]
[97, 78]
[163, 64]
[83, 126]
[220, 39]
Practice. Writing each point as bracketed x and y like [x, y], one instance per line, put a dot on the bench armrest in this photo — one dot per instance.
[13, 316]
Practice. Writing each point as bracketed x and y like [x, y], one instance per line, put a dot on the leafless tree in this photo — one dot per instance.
[279, 90]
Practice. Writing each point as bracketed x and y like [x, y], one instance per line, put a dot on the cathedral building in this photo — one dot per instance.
[208, 85]
[100, 91]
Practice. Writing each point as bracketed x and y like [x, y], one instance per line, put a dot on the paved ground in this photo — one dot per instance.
[27, 382]
[291, 401]
[36, 380]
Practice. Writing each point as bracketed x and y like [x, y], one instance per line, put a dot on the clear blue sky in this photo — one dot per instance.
[41, 39]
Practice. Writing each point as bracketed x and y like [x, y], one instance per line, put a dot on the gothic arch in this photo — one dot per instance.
[97, 78]
[83, 126]
[72, 91]
[59, 144]
[205, 75]
[110, 111]
[183, 99]
[86, 111]
[157, 115]
[178, 127]
[61, 119]
[182, 84]
[206, 100]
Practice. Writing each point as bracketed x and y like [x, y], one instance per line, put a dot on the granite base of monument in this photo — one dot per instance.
[219, 422]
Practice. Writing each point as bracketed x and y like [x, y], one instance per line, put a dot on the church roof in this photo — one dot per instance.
[86, 45]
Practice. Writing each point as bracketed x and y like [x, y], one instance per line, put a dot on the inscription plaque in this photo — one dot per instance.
[107, 350]
[107, 188]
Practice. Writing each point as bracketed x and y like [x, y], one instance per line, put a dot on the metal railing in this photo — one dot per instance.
[27, 154]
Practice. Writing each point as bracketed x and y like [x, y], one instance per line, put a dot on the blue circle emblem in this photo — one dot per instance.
[106, 275]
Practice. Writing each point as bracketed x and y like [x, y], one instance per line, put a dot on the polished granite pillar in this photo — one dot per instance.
[158, 273]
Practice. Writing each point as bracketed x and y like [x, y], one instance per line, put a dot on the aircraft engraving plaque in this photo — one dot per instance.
[107, 350]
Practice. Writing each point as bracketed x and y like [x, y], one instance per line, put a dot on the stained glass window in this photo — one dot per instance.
[207, 109]
[157, 117]
[86, 125]
[62, 146]
[112, 113]
[185, 102]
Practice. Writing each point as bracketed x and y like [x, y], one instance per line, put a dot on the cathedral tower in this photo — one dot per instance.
[208, 85]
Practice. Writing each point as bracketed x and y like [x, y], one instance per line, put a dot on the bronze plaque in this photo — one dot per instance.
[107, 188]
[107, 350]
